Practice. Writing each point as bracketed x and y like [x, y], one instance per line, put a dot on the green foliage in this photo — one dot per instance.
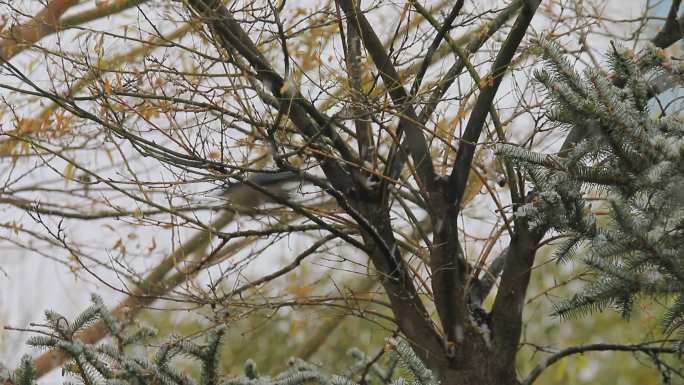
[543, 335]
[420, 375]
[116, 364]
[26, 373]
[634, 158]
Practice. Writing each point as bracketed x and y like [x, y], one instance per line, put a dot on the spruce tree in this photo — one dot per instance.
[115, 363]
[632, 158]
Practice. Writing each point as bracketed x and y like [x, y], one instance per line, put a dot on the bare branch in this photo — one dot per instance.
[547, 362]
[673, 29]
[459, 173]
[408, 120]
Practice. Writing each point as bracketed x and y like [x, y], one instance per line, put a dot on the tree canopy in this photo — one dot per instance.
[413, 165]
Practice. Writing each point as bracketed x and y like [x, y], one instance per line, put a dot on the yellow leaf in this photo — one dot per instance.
[119, 245]
[149, 112]
[15, 227]
[25, 147]
[27, 125]
[295, 326]
[109, 155]
[106, 87]
[300, 291]
[473, 187]
[69, 171]
[285, 88]
[461, 112]
[62, 122]
[7, 147]
[486, 81]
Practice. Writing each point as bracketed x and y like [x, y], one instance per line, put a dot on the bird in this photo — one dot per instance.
[278, 184]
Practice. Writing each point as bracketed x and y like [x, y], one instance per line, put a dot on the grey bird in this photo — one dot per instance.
[244, 195]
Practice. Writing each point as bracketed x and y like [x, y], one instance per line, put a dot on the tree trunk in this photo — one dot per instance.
[478, 365]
